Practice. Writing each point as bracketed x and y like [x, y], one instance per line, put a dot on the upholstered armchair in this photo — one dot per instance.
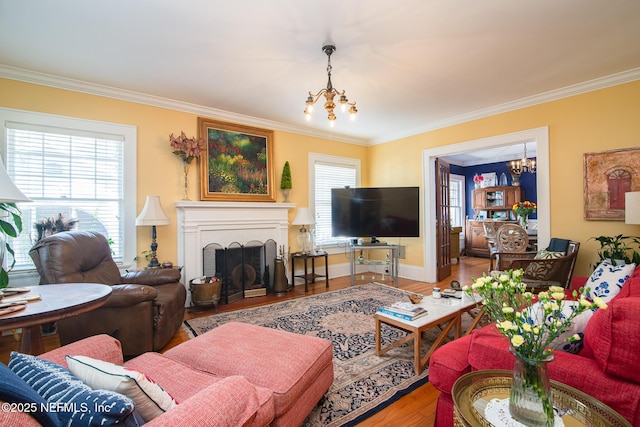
[144, 310]
[552, 266]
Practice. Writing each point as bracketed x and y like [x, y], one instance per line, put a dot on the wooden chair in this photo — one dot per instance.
[540, 273]
[511, 241]
[490, 234]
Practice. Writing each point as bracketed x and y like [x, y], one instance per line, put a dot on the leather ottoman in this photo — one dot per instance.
[297, 368]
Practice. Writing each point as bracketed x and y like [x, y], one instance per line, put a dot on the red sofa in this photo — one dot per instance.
[607, 368]
[255, 377]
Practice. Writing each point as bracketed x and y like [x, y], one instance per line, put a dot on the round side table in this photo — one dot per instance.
[472, 391]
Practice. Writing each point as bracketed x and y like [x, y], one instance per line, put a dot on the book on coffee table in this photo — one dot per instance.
[407, 307]
[403, 314]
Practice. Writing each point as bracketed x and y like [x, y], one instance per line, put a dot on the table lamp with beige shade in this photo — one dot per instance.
[632, 207]
[10, 219]
[632, 215]
[152, 214]
[304, 218]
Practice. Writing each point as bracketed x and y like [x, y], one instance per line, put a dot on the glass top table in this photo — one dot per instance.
[473, 391]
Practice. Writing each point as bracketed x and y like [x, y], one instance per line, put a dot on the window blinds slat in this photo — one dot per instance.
[71, 172]
[328, 176]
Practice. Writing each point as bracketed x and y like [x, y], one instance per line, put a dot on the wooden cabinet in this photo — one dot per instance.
[489, 203]
[455, 242]
[496, 201]
[475, 243]
[479, 199]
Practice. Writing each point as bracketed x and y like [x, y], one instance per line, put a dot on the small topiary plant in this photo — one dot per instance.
[285, 182]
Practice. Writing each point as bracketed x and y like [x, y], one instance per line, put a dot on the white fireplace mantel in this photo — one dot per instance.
[202, 223]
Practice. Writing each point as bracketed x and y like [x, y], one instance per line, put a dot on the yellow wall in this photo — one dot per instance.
[603, 120]
[597, 121]
[159, 172]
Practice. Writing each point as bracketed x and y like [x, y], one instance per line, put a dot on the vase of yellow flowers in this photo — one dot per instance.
[533, 329]
[186, 149]
[523, 210]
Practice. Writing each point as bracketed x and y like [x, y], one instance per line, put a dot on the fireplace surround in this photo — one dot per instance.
[224, 224]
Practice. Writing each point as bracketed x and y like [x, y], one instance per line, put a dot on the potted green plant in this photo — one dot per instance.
[49, 226]
[10, 226]
[285, 182]
[617, 249]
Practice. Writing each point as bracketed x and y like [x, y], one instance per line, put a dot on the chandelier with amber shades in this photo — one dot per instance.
[329, 94]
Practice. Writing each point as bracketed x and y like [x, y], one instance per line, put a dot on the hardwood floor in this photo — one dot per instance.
[415, 409]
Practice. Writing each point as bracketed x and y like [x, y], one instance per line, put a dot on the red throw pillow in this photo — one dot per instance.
[613, 337]
[631, 287]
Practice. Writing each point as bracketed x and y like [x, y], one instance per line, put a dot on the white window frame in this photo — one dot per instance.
[129, 135]
[348, 162]
[460, 180]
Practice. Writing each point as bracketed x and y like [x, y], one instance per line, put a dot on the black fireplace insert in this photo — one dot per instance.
[245, 270]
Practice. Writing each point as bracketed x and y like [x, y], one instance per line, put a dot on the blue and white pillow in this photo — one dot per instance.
[74, 402]
[14, 390]
[535, 316]
[607, 280]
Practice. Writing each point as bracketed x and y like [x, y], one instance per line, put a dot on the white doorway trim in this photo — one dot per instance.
[538, 135]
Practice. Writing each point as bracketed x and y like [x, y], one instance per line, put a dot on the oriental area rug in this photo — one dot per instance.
[363, 382]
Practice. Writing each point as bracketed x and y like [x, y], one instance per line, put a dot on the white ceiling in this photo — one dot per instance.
[410, 65]
[491, 155]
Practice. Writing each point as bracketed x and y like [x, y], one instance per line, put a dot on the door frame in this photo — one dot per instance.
[538, 135]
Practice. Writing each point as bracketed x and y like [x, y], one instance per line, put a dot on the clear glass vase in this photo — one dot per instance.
[524, 221]
[185, 170]
[530, 401]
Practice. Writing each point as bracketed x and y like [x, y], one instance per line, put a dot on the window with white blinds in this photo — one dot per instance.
[456, 200]
[74, 172]
[329, 172]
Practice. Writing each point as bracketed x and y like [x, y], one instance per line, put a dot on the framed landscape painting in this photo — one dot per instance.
[237, 164]
[607, 176]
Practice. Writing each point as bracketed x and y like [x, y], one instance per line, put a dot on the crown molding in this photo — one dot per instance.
[157, 101]
[552, 95]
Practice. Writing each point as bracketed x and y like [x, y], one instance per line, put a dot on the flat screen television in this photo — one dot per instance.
[375, 212]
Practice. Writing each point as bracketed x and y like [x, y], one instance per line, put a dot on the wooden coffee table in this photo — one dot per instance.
[444, 313]
[56, 302]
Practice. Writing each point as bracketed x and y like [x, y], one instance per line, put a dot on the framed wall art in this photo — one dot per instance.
[237, 164]
[607, 176]
[490, 179]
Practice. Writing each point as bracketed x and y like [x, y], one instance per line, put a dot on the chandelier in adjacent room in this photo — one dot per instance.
[518, 167]
[329, 93]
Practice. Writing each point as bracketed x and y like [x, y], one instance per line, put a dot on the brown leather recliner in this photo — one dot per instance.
[145, 309]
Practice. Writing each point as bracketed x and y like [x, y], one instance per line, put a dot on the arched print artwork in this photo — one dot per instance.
[607, 176]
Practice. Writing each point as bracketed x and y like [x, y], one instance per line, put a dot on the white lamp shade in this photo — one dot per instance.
[303, 217]
[632, 207]
[9, 193]
[152, 213]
